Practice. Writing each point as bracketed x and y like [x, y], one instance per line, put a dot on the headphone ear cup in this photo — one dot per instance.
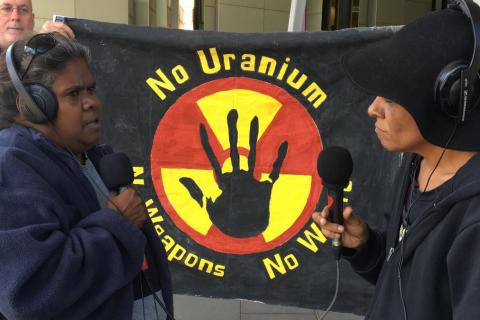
[46, 104]
[447, 88]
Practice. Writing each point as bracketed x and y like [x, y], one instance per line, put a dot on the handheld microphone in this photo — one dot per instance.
[116, 171]
[335, 166]
[117, 174]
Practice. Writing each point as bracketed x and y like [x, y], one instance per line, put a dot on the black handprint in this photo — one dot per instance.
[242, 209]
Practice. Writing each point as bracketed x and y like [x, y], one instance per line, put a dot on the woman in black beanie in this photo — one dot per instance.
[425, 264]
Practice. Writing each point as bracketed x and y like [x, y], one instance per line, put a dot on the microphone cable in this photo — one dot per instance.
[157, 299]
[143, 300]
[337, 285]
[142, 275]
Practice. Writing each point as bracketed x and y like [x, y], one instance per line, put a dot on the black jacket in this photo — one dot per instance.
[440, 273]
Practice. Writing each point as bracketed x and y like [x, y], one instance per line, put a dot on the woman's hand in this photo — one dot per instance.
[354, 232]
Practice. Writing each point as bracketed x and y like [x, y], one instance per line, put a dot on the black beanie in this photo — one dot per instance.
[404, 68]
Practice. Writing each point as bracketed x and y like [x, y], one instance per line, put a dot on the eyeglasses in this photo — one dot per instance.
[7, 10]
[37, 45]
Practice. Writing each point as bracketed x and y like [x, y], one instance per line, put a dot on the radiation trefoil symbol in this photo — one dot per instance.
[233, 164]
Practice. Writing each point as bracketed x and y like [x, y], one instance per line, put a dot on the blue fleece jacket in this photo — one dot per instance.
[61, 255]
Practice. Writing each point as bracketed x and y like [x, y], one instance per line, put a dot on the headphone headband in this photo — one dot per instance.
[38, 103]
[472, 11]
[17, 83]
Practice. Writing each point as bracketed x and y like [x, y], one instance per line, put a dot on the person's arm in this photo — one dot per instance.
[54, 266]
[368, 259]
[59, 27]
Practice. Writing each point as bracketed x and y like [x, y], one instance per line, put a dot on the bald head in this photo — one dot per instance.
[16, 19]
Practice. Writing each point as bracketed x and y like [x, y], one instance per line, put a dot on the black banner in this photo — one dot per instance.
[224, 130]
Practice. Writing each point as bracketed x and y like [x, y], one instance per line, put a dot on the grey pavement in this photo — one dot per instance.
[199, 308]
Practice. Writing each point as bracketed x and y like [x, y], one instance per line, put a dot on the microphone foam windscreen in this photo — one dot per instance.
[116, 170]
[335, 166]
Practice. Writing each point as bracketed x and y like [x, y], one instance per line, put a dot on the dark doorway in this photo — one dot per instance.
[340, 14]
[198, 15]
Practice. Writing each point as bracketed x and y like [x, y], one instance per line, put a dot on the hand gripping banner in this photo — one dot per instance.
[224, 131]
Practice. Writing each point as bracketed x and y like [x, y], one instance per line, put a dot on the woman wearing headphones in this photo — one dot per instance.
[426, 264]
[68, 248]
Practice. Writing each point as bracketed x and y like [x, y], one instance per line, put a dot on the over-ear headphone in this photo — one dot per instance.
[453, 90]
[37, 103]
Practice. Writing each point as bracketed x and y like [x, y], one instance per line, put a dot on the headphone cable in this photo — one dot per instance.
[400, 264]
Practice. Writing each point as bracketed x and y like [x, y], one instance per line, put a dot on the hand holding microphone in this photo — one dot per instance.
[353, 233]
[117, 174]
[335, 166]
[131, 206]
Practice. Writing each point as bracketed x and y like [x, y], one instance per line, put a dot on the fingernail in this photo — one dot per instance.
[322, 221]
[340, 228]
